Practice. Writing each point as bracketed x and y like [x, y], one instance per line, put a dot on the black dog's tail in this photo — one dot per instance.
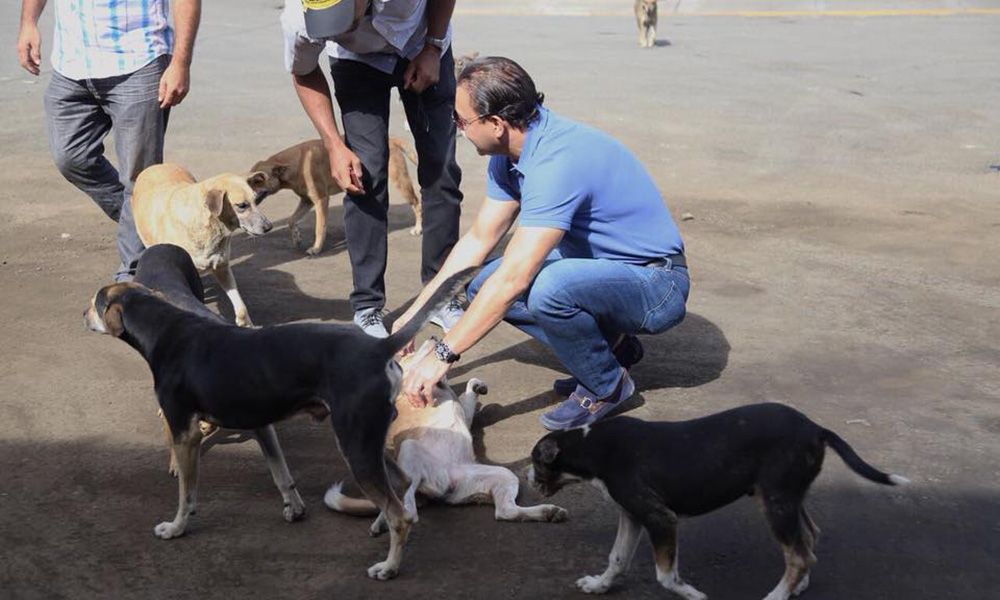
[448, 289]
[857, 464]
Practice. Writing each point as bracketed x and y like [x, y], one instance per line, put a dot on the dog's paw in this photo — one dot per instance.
[417, 230]
[378, 527]
[167, 530]
[555, 514]
[313, 252]
[478, 387]
[383, 571]
[294, 512]
[592, 584]
[172, 469]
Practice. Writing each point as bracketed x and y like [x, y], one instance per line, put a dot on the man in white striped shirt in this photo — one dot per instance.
[117, 66]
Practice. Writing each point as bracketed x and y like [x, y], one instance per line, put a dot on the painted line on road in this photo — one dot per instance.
[901, 12]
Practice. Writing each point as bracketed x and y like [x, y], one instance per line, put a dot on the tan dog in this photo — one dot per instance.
[171, 207]
[645, 16]
[305, 169]
[433, 448]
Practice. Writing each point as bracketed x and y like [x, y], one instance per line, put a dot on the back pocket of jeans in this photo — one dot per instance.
[666, 313]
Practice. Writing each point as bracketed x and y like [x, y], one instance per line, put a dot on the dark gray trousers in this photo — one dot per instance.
[80, 114]
[363, 94]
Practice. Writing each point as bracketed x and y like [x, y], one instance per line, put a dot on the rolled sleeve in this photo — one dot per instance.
[302, 53]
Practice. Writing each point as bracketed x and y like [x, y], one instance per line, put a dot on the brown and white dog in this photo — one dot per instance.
[171, 207]
[433, 448]
[645, 17]
[305, 169]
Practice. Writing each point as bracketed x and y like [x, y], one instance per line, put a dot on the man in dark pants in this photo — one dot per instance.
[404, 44]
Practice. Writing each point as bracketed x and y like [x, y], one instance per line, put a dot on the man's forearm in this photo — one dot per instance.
[31, 10]
[314, 94]
[487, 309]
[439, 14]
[469, 251]
[187, 16]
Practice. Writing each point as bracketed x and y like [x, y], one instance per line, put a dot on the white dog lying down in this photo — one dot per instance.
[433, 447]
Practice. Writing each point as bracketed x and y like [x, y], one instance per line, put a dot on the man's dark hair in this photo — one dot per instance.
[499, 87]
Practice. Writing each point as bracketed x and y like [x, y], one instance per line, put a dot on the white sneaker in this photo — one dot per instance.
[448, 316]
[370, 321]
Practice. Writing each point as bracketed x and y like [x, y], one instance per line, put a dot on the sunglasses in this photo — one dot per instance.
[462, 123]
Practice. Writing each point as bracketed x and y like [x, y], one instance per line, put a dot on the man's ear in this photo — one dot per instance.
[215, 200]
[256, 180]
[113, 320]
[548, 450]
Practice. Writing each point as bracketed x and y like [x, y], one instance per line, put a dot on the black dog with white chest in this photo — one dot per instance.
[241, 378]
[169, 271]
[658, 472]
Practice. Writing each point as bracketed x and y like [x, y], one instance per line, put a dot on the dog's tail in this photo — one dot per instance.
[448, 289]
[337, 500]
[857, 464]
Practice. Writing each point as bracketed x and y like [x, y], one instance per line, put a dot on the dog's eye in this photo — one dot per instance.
[243, 205]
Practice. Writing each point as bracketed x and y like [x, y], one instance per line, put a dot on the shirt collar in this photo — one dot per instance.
[536, 130]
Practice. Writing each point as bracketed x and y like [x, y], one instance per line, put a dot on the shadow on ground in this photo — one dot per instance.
[101, 501]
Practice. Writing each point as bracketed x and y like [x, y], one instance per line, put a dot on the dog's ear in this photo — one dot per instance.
[113, 320]
[279, 171]
[257, 179]
[548, 450]
[215, 200]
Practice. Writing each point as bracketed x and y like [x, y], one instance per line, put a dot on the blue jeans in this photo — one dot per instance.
[80, 114]
[580, 306]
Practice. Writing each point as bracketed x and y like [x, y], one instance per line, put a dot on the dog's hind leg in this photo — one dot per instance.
[187, 449]
[629, 531]
[483, 483]
[295, 509]
[305, 205]
[224, 275]
[785, 515]
[362, 444]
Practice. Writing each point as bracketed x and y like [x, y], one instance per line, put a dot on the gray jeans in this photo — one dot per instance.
[80, 114]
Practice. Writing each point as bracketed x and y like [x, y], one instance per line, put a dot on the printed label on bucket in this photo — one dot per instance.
[318, 4]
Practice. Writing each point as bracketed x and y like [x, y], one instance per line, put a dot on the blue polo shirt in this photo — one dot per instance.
[575, 178]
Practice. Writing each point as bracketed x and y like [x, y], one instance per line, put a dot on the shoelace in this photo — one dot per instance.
[372, 318]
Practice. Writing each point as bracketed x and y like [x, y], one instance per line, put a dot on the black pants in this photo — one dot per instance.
[363, 95]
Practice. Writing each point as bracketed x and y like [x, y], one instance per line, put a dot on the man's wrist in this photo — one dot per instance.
[443, 353]
[430, 45]
[184, 63]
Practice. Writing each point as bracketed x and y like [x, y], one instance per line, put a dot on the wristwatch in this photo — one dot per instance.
[444, 354]
[438, 43]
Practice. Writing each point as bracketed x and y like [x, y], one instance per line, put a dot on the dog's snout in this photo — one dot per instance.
[267, 224]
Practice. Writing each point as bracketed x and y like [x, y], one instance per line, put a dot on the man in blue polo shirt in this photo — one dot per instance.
[594, 260]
